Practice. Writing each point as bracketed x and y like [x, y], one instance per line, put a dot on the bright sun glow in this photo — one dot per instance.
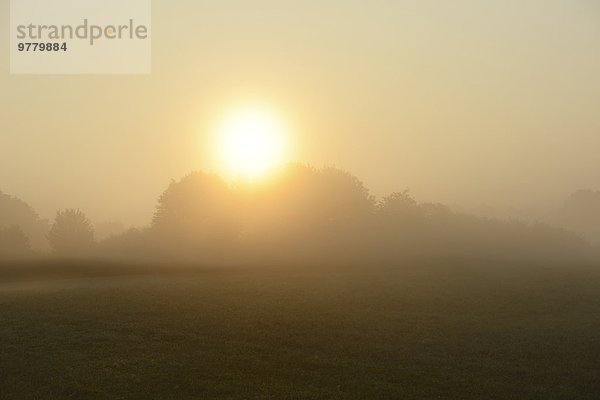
[251, 142]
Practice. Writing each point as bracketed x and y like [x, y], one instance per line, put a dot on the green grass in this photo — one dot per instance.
[410, 332]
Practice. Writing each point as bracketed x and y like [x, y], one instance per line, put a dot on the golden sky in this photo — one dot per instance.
[464, 102]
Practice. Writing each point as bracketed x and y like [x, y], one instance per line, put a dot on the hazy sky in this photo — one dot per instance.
[463, 102]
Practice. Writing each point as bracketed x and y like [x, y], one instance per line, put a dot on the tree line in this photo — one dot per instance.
[301, 215]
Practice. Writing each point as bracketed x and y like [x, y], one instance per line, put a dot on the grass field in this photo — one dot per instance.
[405, 332]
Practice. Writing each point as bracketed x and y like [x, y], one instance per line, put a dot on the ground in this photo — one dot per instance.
[411, 331]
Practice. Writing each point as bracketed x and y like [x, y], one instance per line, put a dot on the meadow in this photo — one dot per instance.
[420, 330]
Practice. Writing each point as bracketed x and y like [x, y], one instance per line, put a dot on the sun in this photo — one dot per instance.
[251, 142]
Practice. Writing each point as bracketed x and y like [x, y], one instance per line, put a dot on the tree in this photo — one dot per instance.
[15, 212]
[399, 205]
[306, 213]
[13, 242]
[72, 233]
[197, 216]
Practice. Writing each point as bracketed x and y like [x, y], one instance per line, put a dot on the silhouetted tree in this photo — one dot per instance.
[72, 233]
[308, 215]
[399, 207]
[304, 213]
[310, 198]
[14, 211]
[196, 216]
[13, 242]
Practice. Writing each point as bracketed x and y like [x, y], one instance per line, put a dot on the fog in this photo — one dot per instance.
[477, 105]
[300, 216]
[332, 199]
